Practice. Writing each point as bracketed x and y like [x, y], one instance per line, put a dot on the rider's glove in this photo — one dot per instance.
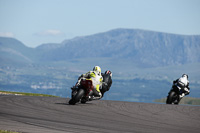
[100, 95]
[78, 82]
[182, 95]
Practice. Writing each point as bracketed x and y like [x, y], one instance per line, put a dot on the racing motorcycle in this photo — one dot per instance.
[173, 95]
[81, 92]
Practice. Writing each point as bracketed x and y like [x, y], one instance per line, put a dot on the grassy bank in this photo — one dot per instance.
[185, 100]
[5, 131]
[24, 94]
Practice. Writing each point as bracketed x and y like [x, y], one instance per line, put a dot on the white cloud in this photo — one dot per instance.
[6, 34]
[50, 33]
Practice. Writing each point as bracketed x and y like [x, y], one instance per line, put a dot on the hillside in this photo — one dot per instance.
[15, 53]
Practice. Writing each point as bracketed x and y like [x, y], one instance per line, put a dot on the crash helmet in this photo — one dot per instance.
[108, 72]
[185, 75]
[97, 69]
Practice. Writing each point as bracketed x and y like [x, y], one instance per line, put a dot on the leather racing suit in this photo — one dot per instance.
[96, 81]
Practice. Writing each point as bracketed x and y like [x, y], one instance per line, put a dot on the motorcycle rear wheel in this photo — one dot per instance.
[83, 100]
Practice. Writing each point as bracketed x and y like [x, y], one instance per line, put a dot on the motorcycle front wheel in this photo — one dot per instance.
[80, 93]
[172, 97]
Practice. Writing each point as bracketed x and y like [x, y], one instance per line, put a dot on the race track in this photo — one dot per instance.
[54, 115]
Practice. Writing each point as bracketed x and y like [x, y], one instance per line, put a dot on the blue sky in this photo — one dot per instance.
[34, 22]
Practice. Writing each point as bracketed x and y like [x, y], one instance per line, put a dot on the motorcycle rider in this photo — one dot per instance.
[107, 81]
[183, 83]
[96, 78]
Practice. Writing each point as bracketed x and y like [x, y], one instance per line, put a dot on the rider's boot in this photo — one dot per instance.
[96, 95]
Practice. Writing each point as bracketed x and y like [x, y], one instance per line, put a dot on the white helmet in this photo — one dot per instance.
[97, 69]
[185, 75]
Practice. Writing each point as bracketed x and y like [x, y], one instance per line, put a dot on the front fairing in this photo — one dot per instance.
[74, 91]
[176, 89]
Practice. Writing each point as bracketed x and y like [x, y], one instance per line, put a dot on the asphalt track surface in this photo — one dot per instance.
[54, 115]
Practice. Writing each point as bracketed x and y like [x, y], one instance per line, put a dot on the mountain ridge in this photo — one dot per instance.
[14, 52]
[146, 48]
[137, 45]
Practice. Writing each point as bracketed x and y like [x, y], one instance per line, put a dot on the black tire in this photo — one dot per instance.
[83, 100]
[77, 97]
[72, 102]
[171, 97]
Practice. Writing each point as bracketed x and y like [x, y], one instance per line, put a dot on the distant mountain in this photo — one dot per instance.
[144, 48]
[14, 52]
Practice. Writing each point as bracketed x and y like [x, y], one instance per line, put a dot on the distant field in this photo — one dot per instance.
[185, 100]
[25, 94]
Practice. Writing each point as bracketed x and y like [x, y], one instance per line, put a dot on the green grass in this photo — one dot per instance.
[26, 94]
[185, 100]
[6, 131]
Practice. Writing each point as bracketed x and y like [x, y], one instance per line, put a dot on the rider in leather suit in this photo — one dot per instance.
[183, 82]
[96, 78]
[107, 81]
